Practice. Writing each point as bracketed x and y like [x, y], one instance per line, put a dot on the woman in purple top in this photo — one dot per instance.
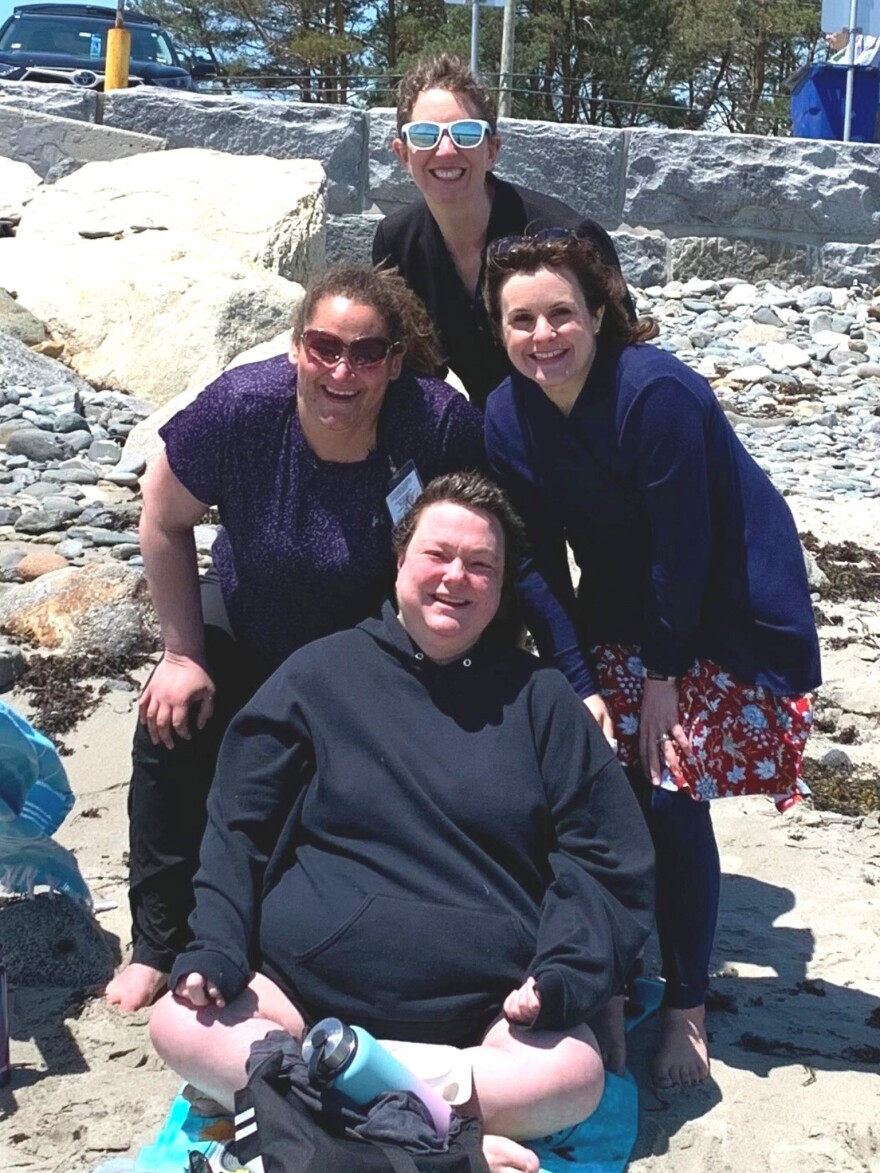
[691, 636]
[310, 458]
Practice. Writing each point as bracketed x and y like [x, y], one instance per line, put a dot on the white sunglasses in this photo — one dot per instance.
[466, 133]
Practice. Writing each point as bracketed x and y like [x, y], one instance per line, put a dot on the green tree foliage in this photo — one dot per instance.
[674, 63]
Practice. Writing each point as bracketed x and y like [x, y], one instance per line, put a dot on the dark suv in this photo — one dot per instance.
[68, 43]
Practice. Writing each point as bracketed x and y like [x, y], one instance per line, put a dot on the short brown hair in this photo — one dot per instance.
[444, 72]
[384, 290]
[474, 491]
[602, 284]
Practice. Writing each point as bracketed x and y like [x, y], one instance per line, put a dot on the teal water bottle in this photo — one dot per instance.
[352, 1061]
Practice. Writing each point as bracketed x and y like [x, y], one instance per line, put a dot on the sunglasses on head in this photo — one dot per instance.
[508, 246]
[328, 349]
[466, 133]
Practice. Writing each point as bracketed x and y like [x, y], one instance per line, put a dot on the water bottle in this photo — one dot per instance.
[5, 1069]
[350, 1059]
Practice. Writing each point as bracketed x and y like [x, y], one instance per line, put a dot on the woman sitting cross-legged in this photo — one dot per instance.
[417, 828]
[691, 636]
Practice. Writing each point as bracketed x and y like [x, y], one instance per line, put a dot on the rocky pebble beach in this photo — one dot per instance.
[795, 997]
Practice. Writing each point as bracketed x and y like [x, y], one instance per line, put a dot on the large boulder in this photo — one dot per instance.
[267, 212]
[18, 184]
[18, 322]
[21, 367]
[152, 312]
[335, 135]
[104, 607]
[165, 267]
[738, 185]
[47, 142]
[64, 101]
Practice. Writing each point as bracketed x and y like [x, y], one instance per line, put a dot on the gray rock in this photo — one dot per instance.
[838, 759]
[18, 322]
[841, 264]
[125, 551]
[70, 548]
[334, 135]
[757, 259]
[69, 421]
[127, 480]
[9, 514]
[103, 537]
[34, 444]
[40, 521]
[71, 476]
[350, 238]
[105, 452]
[58, 503]
[644, 257]
[78, 441]
[43, 141]
[816, 295]
[64, 101]
[730, 176]
[22, 368]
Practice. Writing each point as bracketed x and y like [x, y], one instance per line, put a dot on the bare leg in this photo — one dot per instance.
[610, 1030]
[683, 1055]
[135, 986]
[209, 1048]
[529, 1084]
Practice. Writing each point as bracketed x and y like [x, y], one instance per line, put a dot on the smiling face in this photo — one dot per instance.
[549, 332]
[449, 579]
[338, 406]
[447, 174]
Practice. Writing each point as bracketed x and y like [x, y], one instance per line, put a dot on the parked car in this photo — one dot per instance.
[68, 43]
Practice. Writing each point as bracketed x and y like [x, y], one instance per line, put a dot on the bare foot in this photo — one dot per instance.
[610, 1031]
[506, 1156]
[682, 1058]
[136, 986]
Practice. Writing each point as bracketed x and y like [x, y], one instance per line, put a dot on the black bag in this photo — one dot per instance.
[280, 1130]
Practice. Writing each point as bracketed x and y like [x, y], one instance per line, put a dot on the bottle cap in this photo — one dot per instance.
[327, 1048]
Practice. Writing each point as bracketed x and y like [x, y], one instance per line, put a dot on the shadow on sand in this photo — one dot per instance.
[790, 1019]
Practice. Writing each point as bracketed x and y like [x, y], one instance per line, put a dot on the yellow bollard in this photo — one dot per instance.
[118, 58]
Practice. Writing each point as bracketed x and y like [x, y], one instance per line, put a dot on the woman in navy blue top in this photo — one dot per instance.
[690, 637]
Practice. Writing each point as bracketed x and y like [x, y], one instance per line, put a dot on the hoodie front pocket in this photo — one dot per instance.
[410, 960]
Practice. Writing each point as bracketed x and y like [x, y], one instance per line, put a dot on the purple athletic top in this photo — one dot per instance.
[305, 544]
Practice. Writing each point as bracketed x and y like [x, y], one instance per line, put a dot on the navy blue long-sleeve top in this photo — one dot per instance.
[684, 545]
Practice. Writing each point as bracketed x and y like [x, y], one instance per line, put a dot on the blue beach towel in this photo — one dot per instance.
[601, 1144]
[35, 797]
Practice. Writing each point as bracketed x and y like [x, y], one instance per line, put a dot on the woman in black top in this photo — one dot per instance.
[448, 142]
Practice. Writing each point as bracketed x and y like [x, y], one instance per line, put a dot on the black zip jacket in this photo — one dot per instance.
[401, 843]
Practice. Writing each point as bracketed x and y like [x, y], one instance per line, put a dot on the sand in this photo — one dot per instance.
[795, 1031]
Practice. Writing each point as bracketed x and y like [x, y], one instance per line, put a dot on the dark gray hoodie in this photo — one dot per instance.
[401, 843]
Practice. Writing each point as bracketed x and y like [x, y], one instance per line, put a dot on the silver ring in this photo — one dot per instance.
[665, 737]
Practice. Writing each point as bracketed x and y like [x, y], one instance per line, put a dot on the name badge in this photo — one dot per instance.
[403, 489]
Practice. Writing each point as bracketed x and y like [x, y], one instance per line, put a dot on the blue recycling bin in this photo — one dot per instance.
[818, 99]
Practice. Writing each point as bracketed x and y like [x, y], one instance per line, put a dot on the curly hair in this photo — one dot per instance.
[474, 491]
[602, 285]
[444, 72]
[384, 290]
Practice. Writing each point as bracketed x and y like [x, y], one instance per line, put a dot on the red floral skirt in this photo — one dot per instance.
[745, 739]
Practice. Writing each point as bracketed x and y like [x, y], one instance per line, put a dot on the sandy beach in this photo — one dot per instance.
[795, 1004]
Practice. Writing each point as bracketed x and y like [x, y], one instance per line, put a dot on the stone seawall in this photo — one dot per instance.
[679, 203]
